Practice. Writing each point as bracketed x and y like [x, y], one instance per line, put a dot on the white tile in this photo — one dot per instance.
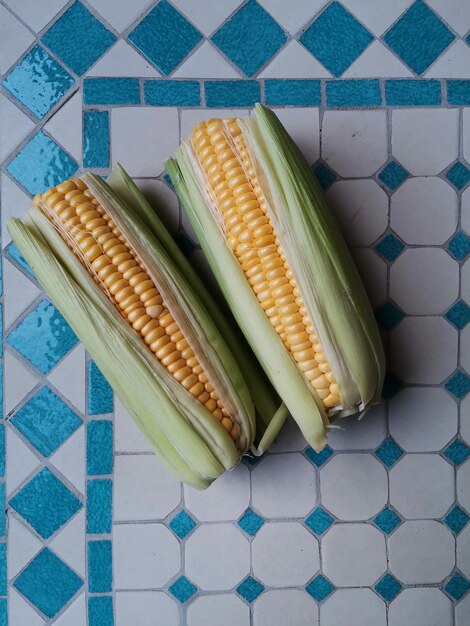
[294, 61]
[75, 615]
[19, 291]
[353, 607]
[424, 281]
[303, 125]
[163, 200]
[361, 207]
[421, 607]
[465, 348]
[121, 14]
[455, 12]
[354, 143]
[142, 138]
[465, 281]
[466, 133]
[465, 223]
[373, 271]
[14, 123]
[217, 557]
[207, 15]
[142, 607]
[19, 381]
[123, 60]
[276, 498]
[453, 63]
[425, 141]
[465, 419]
[421, 552]
[377, 60]
[36, 14]
[377, 15]
[422, 486]
[295, 14]
[422, 419]
[192, 117]
[285, 554]
[463, 485]
[353, 555]
[66, 126]
[21, 462]
[290, 438]
[463, 551]
[19, 612]
[70, 543]
[69, 377]
[14, 39]
[127, 435]
[226, 499]
[206, 62]
[70, 459]
[296, 607]
[214, 610]
[365, 433]
[145, 556]
[424, 211]
[354, 486]
[143, 488]
[22, 545]
[462, 612]
[423, 350]
[15, 203]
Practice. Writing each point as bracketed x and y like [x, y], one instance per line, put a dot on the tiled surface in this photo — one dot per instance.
[374, 531]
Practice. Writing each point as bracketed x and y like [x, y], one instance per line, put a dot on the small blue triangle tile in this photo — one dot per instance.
[389, 315]
[390, 247]
[456, 519]
[13, 253]
[389, 452]
[319, 520]
[458, 384]
[182, 524]
[459, 314]
[457, 452]
[457, 586]
[388, 587]
[320, 588]
[387, 520]
[458, 175]
[319, 458]
[250, 589]
[182, 589]
[459, 246]
[251, 460]
[393, 175]
[392, 385]
[250, 522]
[324, 175]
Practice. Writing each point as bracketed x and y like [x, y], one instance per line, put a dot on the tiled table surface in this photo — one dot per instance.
[372, 531]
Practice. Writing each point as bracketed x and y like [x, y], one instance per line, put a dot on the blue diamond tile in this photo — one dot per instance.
[387, 520]
[250, 38]
[46, 421]
[78, 38]
[390, 247]
[250, 589]
[458, 385]
[388, 587]
[457, 586]
[319, 521]
[38, 81]
[418, 37]
[251, 460]
[319, 588]
[41, 164]
[182, 589]
[459, 314]
[392, 385]
[458, 175]
[393, 175]
[456, 519]
[182, 524]
[43, 337]
[48, 583]
[165, 37]
[46, 503]
[457, 452]
[389, 315]
[389, 452]
[324, 175]
[250, 522]
[459, 246]
[185, 243]
[336, 38]
[319, 458]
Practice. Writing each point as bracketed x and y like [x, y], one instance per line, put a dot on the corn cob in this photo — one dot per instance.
[282, 265]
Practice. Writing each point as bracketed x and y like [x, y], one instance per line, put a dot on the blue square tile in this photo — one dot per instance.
[457, 586]
[100, 566]
[46, 421]
[172, 93]
[41, 164]
[250, 589]
[459, 246]
[389, 452]
[389, 315]
[320, 588]
[165, 37]
[99, 496]
[319, 458]
[390, 247]
[458, 175]
[48, 583]
[38, 81]
[419, 37]
[78, 38]
[456, 519]
[3, 569]
[251, 522]
[100, 394]
[353, 93]
[250, 38]
[324, 175]
[3, 612]
[231, 93]
[393, 175]
[182, 589]
[336, 38]
[458, 384]
[457, 452]
[388, 587]
[412, 92]
[182, 524]
[458, 91]
[45, 503]
[387, 520]
[292, 92]
[459, 314]
[100, 611]
[2, 450]
[111, 91]
[96, 139]
[319, 521]
[99, 447]
[43, 337]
